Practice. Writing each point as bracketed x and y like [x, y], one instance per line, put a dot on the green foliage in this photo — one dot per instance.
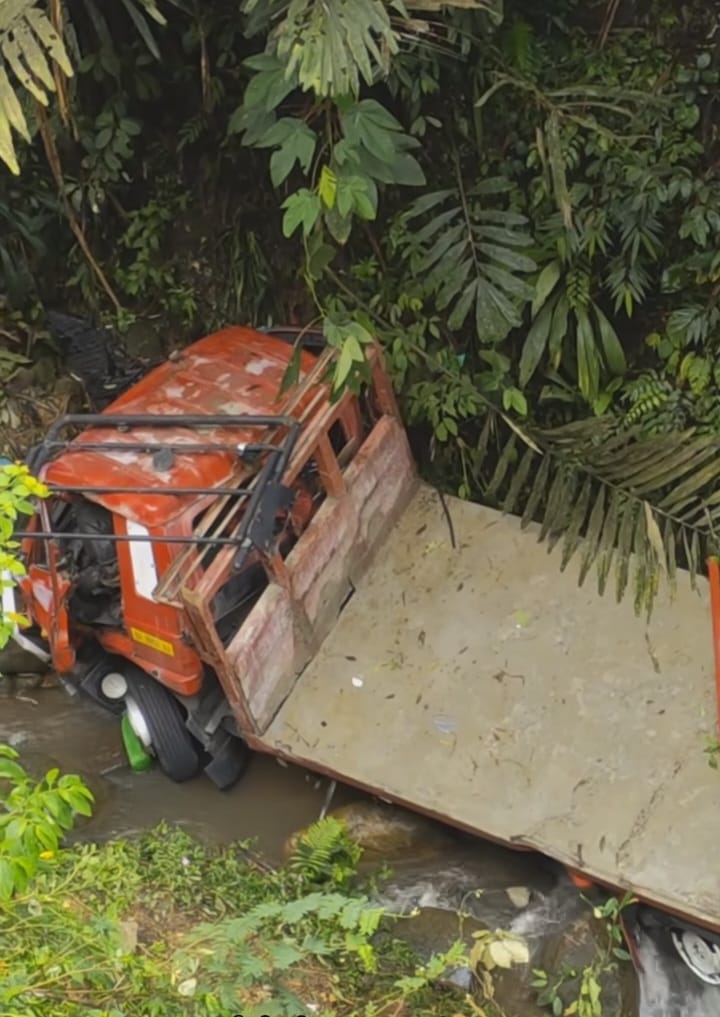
[34, 816]
[324, 853]
[17, 489]
[642, 504]
[473, 258]
[144, 271]
[329, 47]
[564, 313]
[345, 152]
[30, 47]
[162, 925]
[572, 993]
[527, 221]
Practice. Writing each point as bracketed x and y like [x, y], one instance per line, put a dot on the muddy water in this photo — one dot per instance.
[495, 887]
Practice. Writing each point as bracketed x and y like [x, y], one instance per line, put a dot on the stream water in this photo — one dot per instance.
[519, 891]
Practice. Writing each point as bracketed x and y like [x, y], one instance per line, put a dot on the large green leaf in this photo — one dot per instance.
[295, 142]
[471, 258]
[377, 144]
[536, 343]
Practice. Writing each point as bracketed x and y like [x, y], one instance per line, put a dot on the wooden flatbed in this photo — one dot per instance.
[481, 685]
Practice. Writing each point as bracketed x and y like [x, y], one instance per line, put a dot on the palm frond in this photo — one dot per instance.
[30, 47]
[619, 501]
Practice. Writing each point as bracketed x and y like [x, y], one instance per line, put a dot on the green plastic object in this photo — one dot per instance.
[139, 759]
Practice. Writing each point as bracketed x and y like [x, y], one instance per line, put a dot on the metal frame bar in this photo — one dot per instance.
[121, 538]
[170, 491]
[125, 422]
[270, 473]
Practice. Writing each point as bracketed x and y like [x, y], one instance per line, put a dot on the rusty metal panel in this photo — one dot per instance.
[266, 655]
[332, 553]
[481, 685]
[381, 480]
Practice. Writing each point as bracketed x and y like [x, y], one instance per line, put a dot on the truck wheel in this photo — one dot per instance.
[699, 954]
[157, 719]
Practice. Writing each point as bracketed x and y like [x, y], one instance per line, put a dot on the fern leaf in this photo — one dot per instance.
[670, 553]
[33, 55]
[13, 54]
[694, 515]
[140, 22]
[332, 44]
[645, 576]
[608, 537]
[7, 150]
[653, 537]
[692, 486]
[675, 463]
[692, 549]
[566, 510]
[625, 545]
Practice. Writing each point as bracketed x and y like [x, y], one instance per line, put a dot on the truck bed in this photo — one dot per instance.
[482, 686]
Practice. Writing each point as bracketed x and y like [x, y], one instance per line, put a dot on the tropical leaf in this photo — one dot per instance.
[563, 311]
[616, 499]
[473, 259]
[29, 48]
[333, 45]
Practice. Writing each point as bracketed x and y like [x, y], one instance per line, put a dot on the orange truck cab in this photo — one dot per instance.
[169, 515]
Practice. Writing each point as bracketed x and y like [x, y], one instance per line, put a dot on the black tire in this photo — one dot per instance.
[172, 743]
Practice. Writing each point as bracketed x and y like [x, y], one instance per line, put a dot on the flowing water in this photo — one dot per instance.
[496, 888]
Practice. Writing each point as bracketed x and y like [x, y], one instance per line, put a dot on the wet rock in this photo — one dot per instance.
[434, 930]
[14, 660]
[385, 831]
[18, 686]
[564, 956]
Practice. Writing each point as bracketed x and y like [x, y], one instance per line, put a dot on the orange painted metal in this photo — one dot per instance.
[236, 371]
[579, 880]
[714, 577]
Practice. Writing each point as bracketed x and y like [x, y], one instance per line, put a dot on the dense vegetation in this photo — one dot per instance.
[160, 925]
[521, 202]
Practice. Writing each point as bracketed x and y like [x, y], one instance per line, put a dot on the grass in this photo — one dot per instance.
[163, 926]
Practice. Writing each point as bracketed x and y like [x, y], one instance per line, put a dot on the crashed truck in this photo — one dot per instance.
[234, 565]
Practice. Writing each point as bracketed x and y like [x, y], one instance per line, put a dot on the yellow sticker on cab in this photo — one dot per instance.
[148, 639]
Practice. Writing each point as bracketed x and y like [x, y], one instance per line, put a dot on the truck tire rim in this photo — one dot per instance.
[138, 722]
[114, 685]
[701, 956]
